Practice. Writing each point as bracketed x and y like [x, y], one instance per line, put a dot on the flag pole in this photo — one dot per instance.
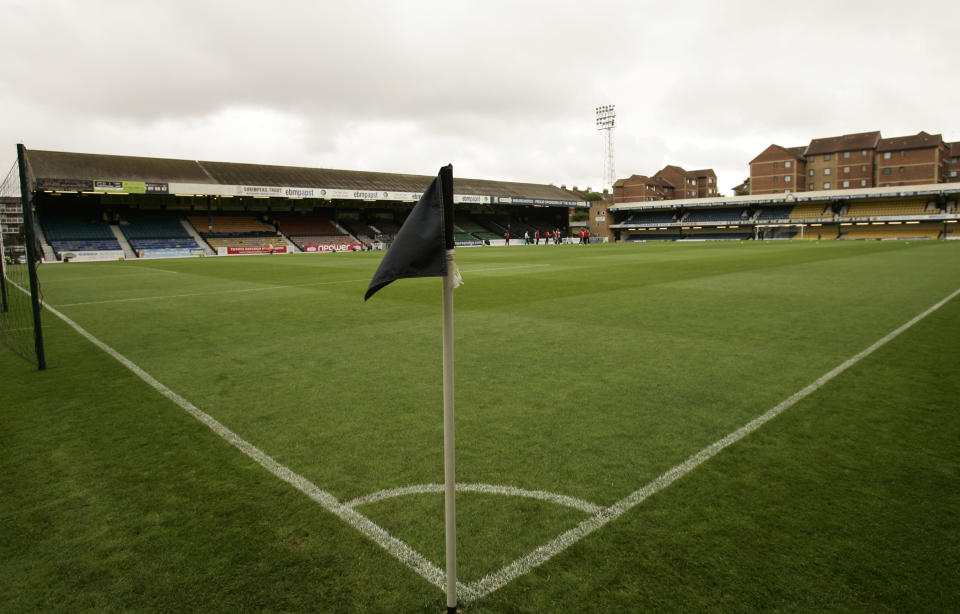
[449, 473]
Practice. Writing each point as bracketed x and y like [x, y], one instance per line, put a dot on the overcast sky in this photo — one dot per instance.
[503, 90]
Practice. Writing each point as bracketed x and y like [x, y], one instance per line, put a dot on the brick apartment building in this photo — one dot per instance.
[851, 161]
[912, 160]
[778, 169]
[669, 183]
[839, 162]
[953, 164]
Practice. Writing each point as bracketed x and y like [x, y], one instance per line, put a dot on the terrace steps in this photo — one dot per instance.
[128, 252]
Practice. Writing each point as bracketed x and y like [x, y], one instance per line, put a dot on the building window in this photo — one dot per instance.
[902, 153]
[901, 169]
[810, 172]
[786, 178]
[846, 169]
[863, 153]
[787, 164]
[826, 185]
[886, 155]
[826, 157]
[953, 173]
[786, 191]
[810, 187]
[776, 179]
[863, 183]
[846, 184]
[846, 155]
[826, 171]
[776, 165]
[886, 171]
[863, 168]
[812, 159]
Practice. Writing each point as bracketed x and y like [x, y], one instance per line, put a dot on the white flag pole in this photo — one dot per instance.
[450, 281]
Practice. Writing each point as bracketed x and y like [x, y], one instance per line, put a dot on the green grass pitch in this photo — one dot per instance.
[582, 372]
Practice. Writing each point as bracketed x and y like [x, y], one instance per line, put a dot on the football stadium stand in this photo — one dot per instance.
[70, 233]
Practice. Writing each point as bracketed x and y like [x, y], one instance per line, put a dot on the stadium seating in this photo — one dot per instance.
[306, 225]
[652, 217]
[67, 227]
[889, 208]
[808, 211]
[229, 225]
[364, 233]
[149, 232]
[75, 233]
[776, 212]
[715, 215]
[234, 231]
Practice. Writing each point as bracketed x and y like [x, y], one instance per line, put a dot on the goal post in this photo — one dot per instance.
[20, 322]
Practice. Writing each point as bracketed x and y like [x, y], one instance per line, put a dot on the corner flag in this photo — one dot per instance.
[424, 248]
[420, 246]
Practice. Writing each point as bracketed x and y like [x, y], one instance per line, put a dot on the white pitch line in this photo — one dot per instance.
[257, 289]
[491, 489]
[494, 581]
[525, 564]
[396, 547]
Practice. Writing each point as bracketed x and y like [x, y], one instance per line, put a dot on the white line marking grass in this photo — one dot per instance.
[490, 489]
[396, 547]
[215, 292]
[523, 565]
[496, 580]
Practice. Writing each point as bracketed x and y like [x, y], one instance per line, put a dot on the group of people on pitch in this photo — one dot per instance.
[556, 237]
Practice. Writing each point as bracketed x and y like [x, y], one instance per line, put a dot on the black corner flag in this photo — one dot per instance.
[420, 247]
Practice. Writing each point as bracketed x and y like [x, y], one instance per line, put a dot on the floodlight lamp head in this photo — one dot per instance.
[606, 117]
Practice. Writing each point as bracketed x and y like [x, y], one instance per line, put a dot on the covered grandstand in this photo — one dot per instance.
[903, 212]
[95, 206]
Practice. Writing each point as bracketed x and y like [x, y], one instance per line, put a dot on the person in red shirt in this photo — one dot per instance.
[536, 237]
[506, 236]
